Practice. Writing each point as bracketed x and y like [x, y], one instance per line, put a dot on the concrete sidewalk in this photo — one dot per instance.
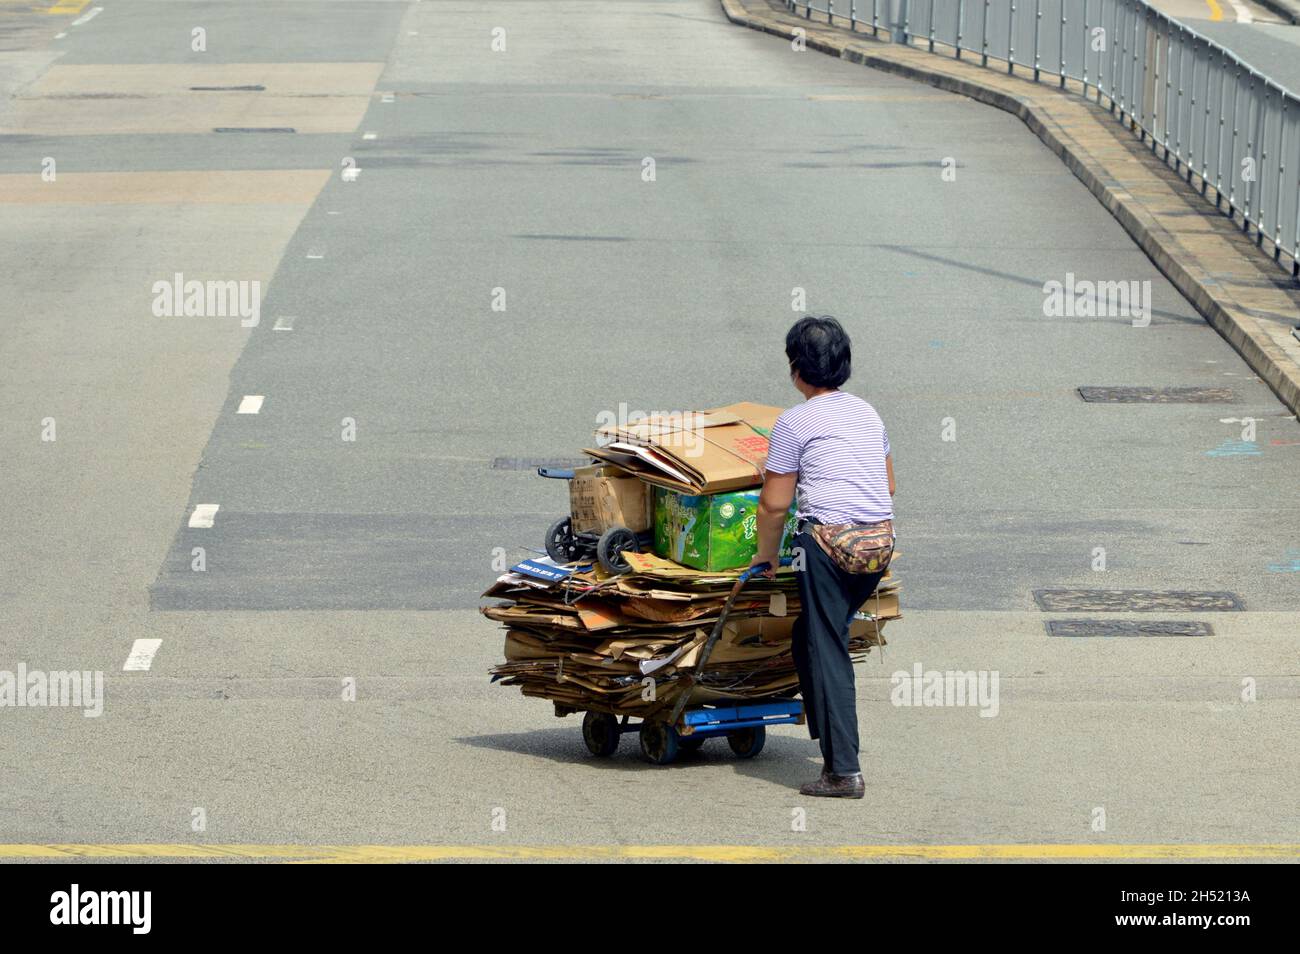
[1246, 297]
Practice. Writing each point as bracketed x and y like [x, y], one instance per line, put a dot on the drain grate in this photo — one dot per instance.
[1126, 627]
[532, 463]
[254, 129]
[1100, 395]
[1064, 600]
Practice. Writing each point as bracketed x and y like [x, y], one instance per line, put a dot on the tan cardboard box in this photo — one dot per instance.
[604, 496]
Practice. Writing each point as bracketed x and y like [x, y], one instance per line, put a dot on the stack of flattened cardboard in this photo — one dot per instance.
[630, 644]
[698, 452]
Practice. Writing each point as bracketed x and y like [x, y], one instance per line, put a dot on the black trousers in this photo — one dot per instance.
[829, 597]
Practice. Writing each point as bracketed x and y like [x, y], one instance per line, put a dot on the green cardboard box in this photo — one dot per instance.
[711, 531]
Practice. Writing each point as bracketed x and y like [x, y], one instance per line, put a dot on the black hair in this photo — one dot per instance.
[818, 348]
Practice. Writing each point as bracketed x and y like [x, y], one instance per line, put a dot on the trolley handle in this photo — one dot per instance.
[761, 567]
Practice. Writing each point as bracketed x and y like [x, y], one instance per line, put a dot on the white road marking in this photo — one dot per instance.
[315, 255]
[88, 16]
[386, 98]
[251, 404]
[284, 323]
[1243, 14]
[351, 174]
[142, 653]
[59, 36]
[203, 516]
[367, 135]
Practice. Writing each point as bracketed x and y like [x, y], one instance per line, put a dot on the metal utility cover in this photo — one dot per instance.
[1127, 395]
[1126, 627]
[1064, 600]
[532, 463]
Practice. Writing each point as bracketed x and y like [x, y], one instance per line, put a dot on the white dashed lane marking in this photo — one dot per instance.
[203, 515]
[283, 323]
[142, 653]
[88, 16]
[251, 404]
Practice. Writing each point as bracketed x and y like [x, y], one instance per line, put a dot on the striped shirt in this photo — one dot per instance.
[837, 443]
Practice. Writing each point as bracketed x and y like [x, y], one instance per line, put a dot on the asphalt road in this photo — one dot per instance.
[332, 559]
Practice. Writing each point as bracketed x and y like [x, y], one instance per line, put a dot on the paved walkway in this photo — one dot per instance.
[1240, 291]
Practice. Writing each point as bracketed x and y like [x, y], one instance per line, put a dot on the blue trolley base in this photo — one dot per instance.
[745, 727]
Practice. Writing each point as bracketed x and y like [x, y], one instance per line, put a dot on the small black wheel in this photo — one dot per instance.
[747, 743]
[659, 742]
[691, 743]
[600, 732]
[610, 547]
[561, 545]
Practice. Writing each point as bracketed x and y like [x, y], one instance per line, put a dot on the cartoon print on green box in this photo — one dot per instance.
[713, 531]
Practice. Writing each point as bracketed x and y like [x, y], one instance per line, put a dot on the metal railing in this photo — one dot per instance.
[1216, 118]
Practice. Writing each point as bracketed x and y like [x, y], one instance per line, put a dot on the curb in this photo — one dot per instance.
[1260, 351]
[1287, 9]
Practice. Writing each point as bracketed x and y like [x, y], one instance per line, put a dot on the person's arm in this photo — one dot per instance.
[889, 469]
[773, 508]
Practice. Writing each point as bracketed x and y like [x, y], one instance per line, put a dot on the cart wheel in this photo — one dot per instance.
[691, 743]
[658, 742]
[747, 743]
[610, 547]
[600, 732]
[561, 546]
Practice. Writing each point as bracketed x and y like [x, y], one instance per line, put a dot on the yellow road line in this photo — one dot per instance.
[1216, 11]
[379, 853]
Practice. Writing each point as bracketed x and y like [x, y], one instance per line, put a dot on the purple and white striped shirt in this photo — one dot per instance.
[837, 443]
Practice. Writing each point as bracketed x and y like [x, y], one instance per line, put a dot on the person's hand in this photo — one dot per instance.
[770, 559]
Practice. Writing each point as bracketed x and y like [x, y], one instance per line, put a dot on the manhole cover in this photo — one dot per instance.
[1134, 601]
[532, 463]
[1125, 627]
[254, 129]
[1098, 395]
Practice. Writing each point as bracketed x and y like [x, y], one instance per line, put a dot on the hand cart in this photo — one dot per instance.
[608, 546]
[663, 737]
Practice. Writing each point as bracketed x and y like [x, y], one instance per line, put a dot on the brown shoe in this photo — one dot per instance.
[836, 786]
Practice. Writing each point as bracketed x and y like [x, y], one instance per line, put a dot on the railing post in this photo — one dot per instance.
[1011, 39]
[1236, 127]
[1281, 175]
[1223, 116]
[961, 11]
[1038, 21]
[1205, 123]
[931, 26]
[898, 25]
[1257, 187]
[984, 36]
[1083, 58]
[1178, 109]
[1062, 46]
[1123, 62]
